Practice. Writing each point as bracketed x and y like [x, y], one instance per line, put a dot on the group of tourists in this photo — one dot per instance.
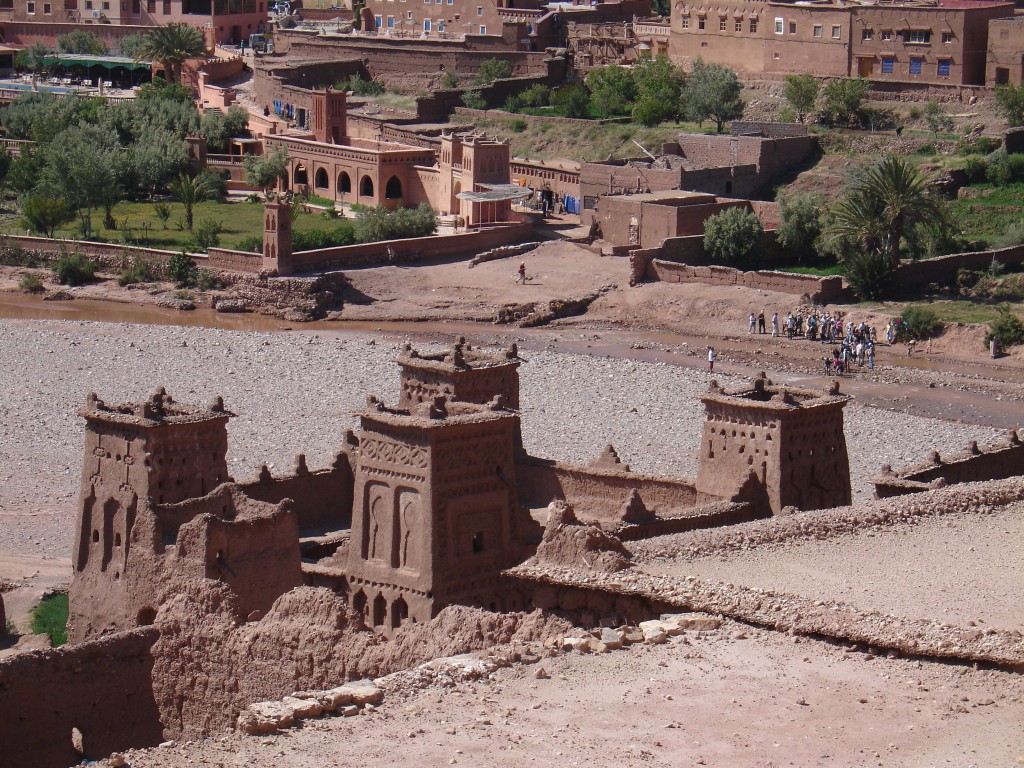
[852, 344]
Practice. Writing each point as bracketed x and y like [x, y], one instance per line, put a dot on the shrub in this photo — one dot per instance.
[182, 270]
[1007, 329]
[30, 283]
[207, 281]
[449, 81]
[651, 112]
[799, 225]
[1012, 235]
[312, 239]
[733, 237]
[139, 272]
[74, 269]
[843, 99]
[513, 104]
[474, 100]
[974, 169]
[254, 244]
[519, 126]
[376, 224]
[206, 234]
[869, 273]
[572, 100]
[537, 95]
[491, 70]
[360, 87]
[920, 322]
[50, 617]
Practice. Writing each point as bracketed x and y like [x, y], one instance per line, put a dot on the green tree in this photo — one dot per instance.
[44, 214]
[572, 100]
[155, 160]
[883, 204]
[1010, 103]
[713, 92]
[219, 127]
[171, 45]
[843, 101]
[158, 88]
[265, 170]
[799, 225]
[537, 95]
[658, 79]
[650, 112]
[83, 165]
[801, 91]
[491, 70]
[936, 118]
[869, 273]
[81, 41]
[612, 89]
[131, 45]
[733, 237]
[25, 171]
[1007, 329]
[33, 57]
[190, 191]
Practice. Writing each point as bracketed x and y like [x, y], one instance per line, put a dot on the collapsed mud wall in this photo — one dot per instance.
[103, 688]
[211, 663]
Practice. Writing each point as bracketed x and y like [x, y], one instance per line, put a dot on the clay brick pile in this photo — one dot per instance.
[264, 717]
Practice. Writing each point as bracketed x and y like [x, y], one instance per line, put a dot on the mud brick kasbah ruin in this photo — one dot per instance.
[435, 492]
[178, 569]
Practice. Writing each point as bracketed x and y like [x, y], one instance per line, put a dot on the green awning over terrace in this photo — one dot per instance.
[88, 60]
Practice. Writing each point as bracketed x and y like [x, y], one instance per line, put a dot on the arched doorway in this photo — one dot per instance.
[359, 603]
[320, 179]
[393, 189]
[366, 187]
[300, 177]
[380, 610]
[399, 613]
[344, 183]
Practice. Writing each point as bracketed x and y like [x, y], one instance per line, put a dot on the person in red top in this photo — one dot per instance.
[522, 273]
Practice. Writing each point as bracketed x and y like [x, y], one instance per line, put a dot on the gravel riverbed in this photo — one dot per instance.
[296, 393]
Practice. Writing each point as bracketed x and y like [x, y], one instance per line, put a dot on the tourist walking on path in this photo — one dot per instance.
[751, 323]
[711, 359]
[871, 355]
[522, 273]
[775, 324]
[760, 322]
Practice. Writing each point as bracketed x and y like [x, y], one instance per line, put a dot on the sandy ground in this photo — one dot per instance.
[961, 569]
[704, 699]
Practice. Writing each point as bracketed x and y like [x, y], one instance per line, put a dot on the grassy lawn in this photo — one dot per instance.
[988, 216]
[50, 617]
[833, 269]
[239, 219]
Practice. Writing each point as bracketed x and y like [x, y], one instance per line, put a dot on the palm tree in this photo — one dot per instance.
[171, 45]
[191, 190]
[884, 205]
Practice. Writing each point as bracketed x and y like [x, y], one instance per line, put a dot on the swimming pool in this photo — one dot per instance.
[40, 87]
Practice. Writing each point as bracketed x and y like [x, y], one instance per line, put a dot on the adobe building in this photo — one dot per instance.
[436, 518]
[648, 219]
[920, 41]
[425, 507]
[467, 176]
[775, 447]
[460, 373]
[157, 507]
[738, 165]
[227, 22]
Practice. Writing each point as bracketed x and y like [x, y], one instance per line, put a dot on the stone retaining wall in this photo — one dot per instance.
[822, 290]
[915, 275]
